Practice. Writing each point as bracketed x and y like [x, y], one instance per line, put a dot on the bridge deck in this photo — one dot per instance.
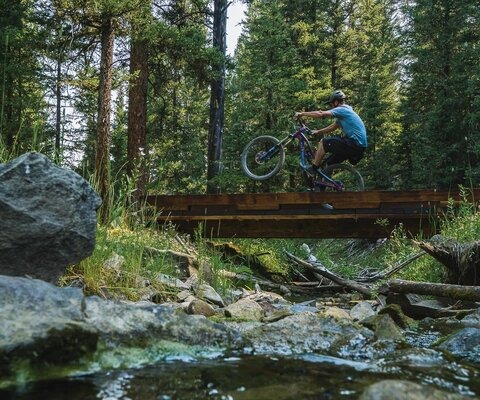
[369, 214]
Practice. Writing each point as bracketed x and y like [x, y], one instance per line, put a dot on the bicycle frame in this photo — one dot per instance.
[306, 154]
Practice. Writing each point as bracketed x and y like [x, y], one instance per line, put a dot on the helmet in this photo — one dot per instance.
[336, 95]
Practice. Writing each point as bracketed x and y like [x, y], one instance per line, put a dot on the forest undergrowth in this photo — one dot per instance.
[130, 255]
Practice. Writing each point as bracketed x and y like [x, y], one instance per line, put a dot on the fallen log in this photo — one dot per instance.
[294, 287]
[321, 270]
[457, 292]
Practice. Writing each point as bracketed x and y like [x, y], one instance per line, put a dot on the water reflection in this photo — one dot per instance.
[247, 378]
[115, 388]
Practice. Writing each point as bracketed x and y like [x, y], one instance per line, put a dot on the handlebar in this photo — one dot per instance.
[302, 125]
[299, 120]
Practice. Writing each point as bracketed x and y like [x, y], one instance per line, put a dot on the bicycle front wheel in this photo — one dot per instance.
[263, 158]
[345, 178]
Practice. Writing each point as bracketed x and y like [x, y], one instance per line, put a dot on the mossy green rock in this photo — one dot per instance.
[53, 331]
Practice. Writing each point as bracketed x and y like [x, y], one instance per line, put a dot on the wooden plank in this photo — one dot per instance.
[302, 214]
[277, 217]
[269, 201]
[301, 228]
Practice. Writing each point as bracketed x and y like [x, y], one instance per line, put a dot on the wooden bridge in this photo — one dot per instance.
[369, 214]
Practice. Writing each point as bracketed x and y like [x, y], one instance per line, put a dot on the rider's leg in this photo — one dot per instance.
[319, 154]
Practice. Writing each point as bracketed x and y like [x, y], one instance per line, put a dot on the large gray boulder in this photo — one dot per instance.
[47, 218]
[46, 330]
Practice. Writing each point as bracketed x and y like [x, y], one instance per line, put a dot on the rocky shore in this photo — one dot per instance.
[49, 331]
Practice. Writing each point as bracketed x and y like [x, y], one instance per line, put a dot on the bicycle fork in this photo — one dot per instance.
[272, 151]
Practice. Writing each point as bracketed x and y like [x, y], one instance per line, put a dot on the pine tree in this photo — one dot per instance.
[440, 137]
[268, 79]
[22, 104]
[374, 87]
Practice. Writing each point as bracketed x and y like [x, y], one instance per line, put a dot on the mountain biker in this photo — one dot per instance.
[349, 146]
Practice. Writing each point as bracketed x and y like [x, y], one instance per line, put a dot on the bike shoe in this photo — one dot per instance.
[311, 170]
[327, 206]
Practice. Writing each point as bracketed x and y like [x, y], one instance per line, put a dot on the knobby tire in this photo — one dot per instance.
[260, 171]
[348, 175]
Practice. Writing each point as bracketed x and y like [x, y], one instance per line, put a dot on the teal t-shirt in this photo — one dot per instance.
[351, 124]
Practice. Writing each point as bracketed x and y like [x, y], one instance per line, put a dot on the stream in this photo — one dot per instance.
[250, 378]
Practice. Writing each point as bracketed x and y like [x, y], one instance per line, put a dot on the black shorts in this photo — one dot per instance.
[341, 149]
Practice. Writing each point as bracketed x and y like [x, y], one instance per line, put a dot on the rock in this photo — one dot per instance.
[384, 327]
[245, 310]
[200, 307]
[306, 333]
[361, 310]
[416, 307]
[306, 306]
[47, 218]
[464, 343]
[183, 295]
[472, 319]
[300, 308]
[45, 327]
[113, 266]
[397, 315]
[172, 282]
[277, 315]
[335, 312]
[404, 390]
[53, 329]
[208, 293]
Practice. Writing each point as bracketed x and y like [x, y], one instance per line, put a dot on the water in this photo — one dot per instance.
[250, 378]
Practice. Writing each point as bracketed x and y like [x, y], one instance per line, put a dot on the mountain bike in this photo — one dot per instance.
[264, 156]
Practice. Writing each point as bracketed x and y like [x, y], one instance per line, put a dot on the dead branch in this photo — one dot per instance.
[185, 246]
[394, 269]
[457, 292]
[294, 287]
[321, 270]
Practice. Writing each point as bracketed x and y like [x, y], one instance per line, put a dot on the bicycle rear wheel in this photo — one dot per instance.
[262, 158]
[345, 177]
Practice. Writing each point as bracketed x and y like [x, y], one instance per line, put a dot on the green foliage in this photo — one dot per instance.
[399, 248]
[439, 113]
[127, 254]
[177, 160]
[462, 221]
[411, 73]
[270, 252]
[121, 263]
[350, 258]
[291, 56]
[22, 102]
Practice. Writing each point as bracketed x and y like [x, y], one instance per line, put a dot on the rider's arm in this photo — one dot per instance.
[327, 129]
[315, 114]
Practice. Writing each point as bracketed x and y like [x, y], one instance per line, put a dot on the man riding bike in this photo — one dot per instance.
[349, 146]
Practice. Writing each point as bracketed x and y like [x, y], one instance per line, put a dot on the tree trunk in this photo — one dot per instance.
[217, 96]
[6, 113]
[335, 46]
[102, 158]
[58, 118]
[462, 260]
[137, 117]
